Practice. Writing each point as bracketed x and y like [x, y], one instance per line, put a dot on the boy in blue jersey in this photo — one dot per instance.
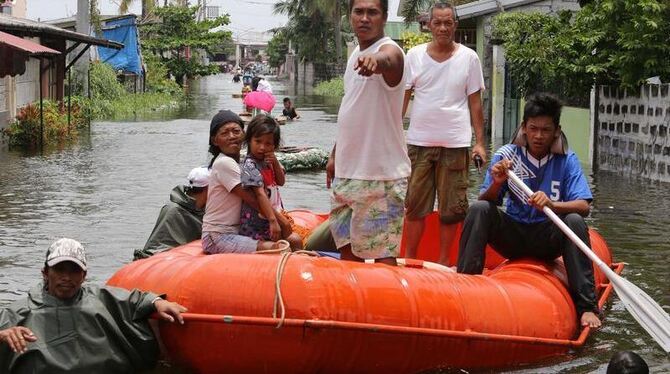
[540, 157]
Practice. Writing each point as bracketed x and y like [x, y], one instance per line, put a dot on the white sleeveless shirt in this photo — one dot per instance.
[370, 139]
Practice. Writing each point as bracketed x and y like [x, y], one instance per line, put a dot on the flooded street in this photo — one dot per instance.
[106, 191]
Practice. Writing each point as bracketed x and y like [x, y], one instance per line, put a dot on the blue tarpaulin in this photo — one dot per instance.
[127, 59]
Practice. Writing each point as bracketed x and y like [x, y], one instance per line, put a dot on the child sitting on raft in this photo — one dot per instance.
[263, 174]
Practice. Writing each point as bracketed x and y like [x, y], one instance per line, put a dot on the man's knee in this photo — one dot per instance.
[575, 221]
[415, 216]
[480, 208]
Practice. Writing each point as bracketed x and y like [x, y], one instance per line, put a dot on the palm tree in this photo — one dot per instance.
[333, 9]
[328, 10]
[147, 6]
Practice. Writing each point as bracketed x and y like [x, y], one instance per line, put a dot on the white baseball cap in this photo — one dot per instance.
[198, 177]
[65, 249]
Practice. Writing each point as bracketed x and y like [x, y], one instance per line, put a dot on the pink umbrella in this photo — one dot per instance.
[261, 100]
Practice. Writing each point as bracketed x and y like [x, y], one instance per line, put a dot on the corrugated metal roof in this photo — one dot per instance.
[25, 45]
[25, 27]
[484, 7]
[481, 7]
[69, 23]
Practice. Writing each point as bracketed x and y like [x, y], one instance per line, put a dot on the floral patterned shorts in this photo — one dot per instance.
[368, 215]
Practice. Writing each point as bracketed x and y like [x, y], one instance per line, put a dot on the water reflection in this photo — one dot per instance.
[106, 191]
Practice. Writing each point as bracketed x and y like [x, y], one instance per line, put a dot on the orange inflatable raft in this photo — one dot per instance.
[272, 313]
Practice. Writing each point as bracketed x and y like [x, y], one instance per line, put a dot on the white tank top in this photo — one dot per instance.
[370, 139]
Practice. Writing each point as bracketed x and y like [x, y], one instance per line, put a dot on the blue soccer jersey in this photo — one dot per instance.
[558, 176]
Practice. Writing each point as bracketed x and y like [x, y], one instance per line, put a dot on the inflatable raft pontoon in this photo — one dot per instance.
[280, 313]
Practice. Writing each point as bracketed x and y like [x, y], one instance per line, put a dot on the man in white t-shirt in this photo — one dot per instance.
[370, 163]
[446, 79]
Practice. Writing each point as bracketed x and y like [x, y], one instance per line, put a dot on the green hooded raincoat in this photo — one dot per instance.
[101, 330]
[179, 222]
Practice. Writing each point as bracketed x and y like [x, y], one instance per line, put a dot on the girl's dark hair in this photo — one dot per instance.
[261, 125]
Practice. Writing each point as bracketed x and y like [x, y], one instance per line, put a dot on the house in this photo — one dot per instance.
[44, 73]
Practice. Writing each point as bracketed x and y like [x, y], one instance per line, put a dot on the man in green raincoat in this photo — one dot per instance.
[180, 220]
[62, 326]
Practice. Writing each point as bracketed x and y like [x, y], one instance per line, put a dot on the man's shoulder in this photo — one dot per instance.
[569, 157]
[173, 207]
[92, 289]
[468, 51]
[572, 161]
[106, 293]
[223, 162]
[507, 151]
[417, 50]
[18, 307]
[387, 41]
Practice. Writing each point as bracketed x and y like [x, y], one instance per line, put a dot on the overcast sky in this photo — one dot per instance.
[253, 15]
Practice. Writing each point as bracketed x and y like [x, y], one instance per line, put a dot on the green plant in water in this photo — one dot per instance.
[129, 106]
[333, 87]
[104, 83]
[158, 76]
[26, 130]
[109, 99]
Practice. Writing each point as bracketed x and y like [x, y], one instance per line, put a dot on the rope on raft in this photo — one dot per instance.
[283, 248]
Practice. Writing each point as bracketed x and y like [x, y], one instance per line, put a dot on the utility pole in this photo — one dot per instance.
[6, 7]
[83, 26]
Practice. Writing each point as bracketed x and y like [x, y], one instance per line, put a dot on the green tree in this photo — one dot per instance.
[612, 42]
[315, 27]
[623, 41]
[538, 49]
[178, 32]
[147, 6]
[277, 48]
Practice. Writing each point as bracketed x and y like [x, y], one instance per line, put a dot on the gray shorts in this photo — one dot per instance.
[214, 242]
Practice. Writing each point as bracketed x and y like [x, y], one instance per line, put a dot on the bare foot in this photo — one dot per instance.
[591, 320]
